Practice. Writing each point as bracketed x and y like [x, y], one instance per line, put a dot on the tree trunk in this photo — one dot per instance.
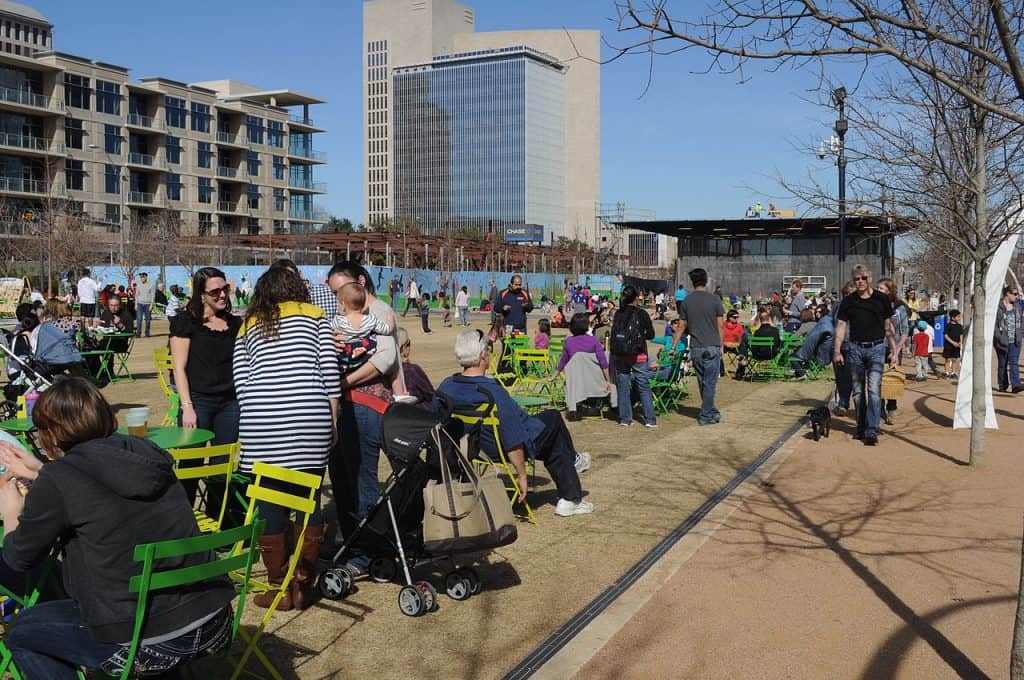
[979, 348]
[1017, 649]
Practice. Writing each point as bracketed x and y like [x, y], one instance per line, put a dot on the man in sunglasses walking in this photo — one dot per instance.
[865, 319]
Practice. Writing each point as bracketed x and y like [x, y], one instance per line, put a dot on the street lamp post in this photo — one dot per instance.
[839, 98]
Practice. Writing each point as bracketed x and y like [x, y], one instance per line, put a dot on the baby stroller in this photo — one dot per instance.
[23, 378]
[416, 444]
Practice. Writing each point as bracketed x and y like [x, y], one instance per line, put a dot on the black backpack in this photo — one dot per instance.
[628, 336]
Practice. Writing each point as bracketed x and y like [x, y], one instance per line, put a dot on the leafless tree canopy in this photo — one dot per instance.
[799, 33]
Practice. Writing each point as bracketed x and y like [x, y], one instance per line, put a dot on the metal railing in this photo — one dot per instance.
[230, 206]
[28, 186]
[138, 120]
[228, 138]
[300, 214]
[307, 184]
[140, 159]
[225, 171]
[308, 153]
[18, 141]
[299, 118]
[26, 98]
[141, 197]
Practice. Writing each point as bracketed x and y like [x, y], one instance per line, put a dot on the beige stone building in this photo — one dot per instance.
[398, 34]
[217, 157]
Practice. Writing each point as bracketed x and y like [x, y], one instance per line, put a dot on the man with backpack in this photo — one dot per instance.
[631, 329]
[702, 315]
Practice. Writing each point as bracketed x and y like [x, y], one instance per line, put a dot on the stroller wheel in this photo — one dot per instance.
[475, 584]
[8, 410]
[335, 583]
[383, 569]
[457, 586]
[410, 601]
[429, 595]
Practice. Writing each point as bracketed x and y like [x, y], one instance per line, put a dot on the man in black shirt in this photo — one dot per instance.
[865, 319]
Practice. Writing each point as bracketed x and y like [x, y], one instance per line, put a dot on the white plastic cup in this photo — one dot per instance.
[137, 420]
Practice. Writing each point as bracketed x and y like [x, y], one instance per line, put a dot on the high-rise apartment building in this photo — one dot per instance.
[405, 37]
[218, 157]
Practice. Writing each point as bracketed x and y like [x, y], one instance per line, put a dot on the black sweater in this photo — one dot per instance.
[99, 501]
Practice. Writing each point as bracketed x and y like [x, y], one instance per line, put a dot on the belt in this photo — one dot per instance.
[869, 343]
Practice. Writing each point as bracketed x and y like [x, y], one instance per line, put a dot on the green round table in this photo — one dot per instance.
[18, 425]
[174, 437]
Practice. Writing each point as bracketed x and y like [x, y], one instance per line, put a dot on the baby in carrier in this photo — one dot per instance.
[360, 331]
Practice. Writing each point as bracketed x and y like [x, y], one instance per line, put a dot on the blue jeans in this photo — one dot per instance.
[353, 466]
[145, 311]
[844, 382]
[707, 362]
[866, 367]
[1008, 358]
[464, 316]
[219, 414]
[625, 377]
[50, 641]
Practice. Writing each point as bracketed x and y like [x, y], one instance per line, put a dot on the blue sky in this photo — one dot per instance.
[694, 146]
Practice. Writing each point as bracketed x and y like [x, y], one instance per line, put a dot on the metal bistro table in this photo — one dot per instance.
[174, 437]
[23, 429]
[531, 404]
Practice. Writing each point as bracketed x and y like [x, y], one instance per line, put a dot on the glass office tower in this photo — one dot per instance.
[479, 142]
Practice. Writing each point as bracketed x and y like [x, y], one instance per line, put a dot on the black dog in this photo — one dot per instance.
[821, 421]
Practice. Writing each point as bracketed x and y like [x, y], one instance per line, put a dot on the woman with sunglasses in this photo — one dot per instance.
[202, 344]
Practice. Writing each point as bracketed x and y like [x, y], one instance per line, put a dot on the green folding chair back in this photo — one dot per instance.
[763, 368]
[154, 579]
[668, 392]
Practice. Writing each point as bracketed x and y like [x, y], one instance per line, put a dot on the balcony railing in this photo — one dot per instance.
[308, 153]
[299, 118]
[230, 206]
[141, 197]
[228, 138]
[140, 159]
[300, 214]
[28, 186]
[138, 120]
[10, 139]
[307, 184]
[224, 171]
[26, 98]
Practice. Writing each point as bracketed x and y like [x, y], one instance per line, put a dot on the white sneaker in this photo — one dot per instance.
[582, 461]
[568, 508]
[404, 399]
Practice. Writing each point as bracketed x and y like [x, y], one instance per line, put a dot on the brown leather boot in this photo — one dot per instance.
[305, 571]
[275, 551]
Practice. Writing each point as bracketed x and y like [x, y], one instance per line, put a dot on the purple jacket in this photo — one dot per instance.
[582, 343]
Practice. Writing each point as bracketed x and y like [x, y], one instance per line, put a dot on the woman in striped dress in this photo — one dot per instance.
[288, 384]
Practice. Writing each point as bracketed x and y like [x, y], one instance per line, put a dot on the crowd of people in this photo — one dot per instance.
[302, 381]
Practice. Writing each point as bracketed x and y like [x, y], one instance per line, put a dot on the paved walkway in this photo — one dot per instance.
[839, 561]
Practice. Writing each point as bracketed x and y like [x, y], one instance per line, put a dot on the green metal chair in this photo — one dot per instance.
[153, 579]
[765, 366]
[669, 392]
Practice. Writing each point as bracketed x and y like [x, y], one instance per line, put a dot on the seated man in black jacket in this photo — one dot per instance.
[764, 330]
[105, 494]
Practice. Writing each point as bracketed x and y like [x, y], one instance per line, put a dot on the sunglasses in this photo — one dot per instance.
[860, 278]
[217, 292]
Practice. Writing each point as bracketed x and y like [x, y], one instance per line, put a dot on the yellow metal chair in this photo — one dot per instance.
[227, 454]
[486, 416]
[533, 368]
[259, 491]
[506, 377]
[164, 371]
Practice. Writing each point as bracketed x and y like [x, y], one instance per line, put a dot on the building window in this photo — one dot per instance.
[278, 200]
[252, 193]
[112, 179]
[253, 226]
[74, 133]
[175, 112]
[205, 223]
[254, 129]
[205, 154]
[205, 191]
[173, 146]
[74, 174]
[173, 186]
[279, 167]
[108, 97]
[76, 91]
[279, 227]
[252, 163]
[112, 139]
[275, 133]
[201, 117]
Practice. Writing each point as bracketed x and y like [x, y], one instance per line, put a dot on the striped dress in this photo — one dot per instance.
[283, 386]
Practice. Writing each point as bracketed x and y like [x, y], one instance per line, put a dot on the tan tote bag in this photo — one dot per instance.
[466, 516]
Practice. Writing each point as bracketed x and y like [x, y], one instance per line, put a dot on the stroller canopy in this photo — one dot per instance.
[406, 431]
